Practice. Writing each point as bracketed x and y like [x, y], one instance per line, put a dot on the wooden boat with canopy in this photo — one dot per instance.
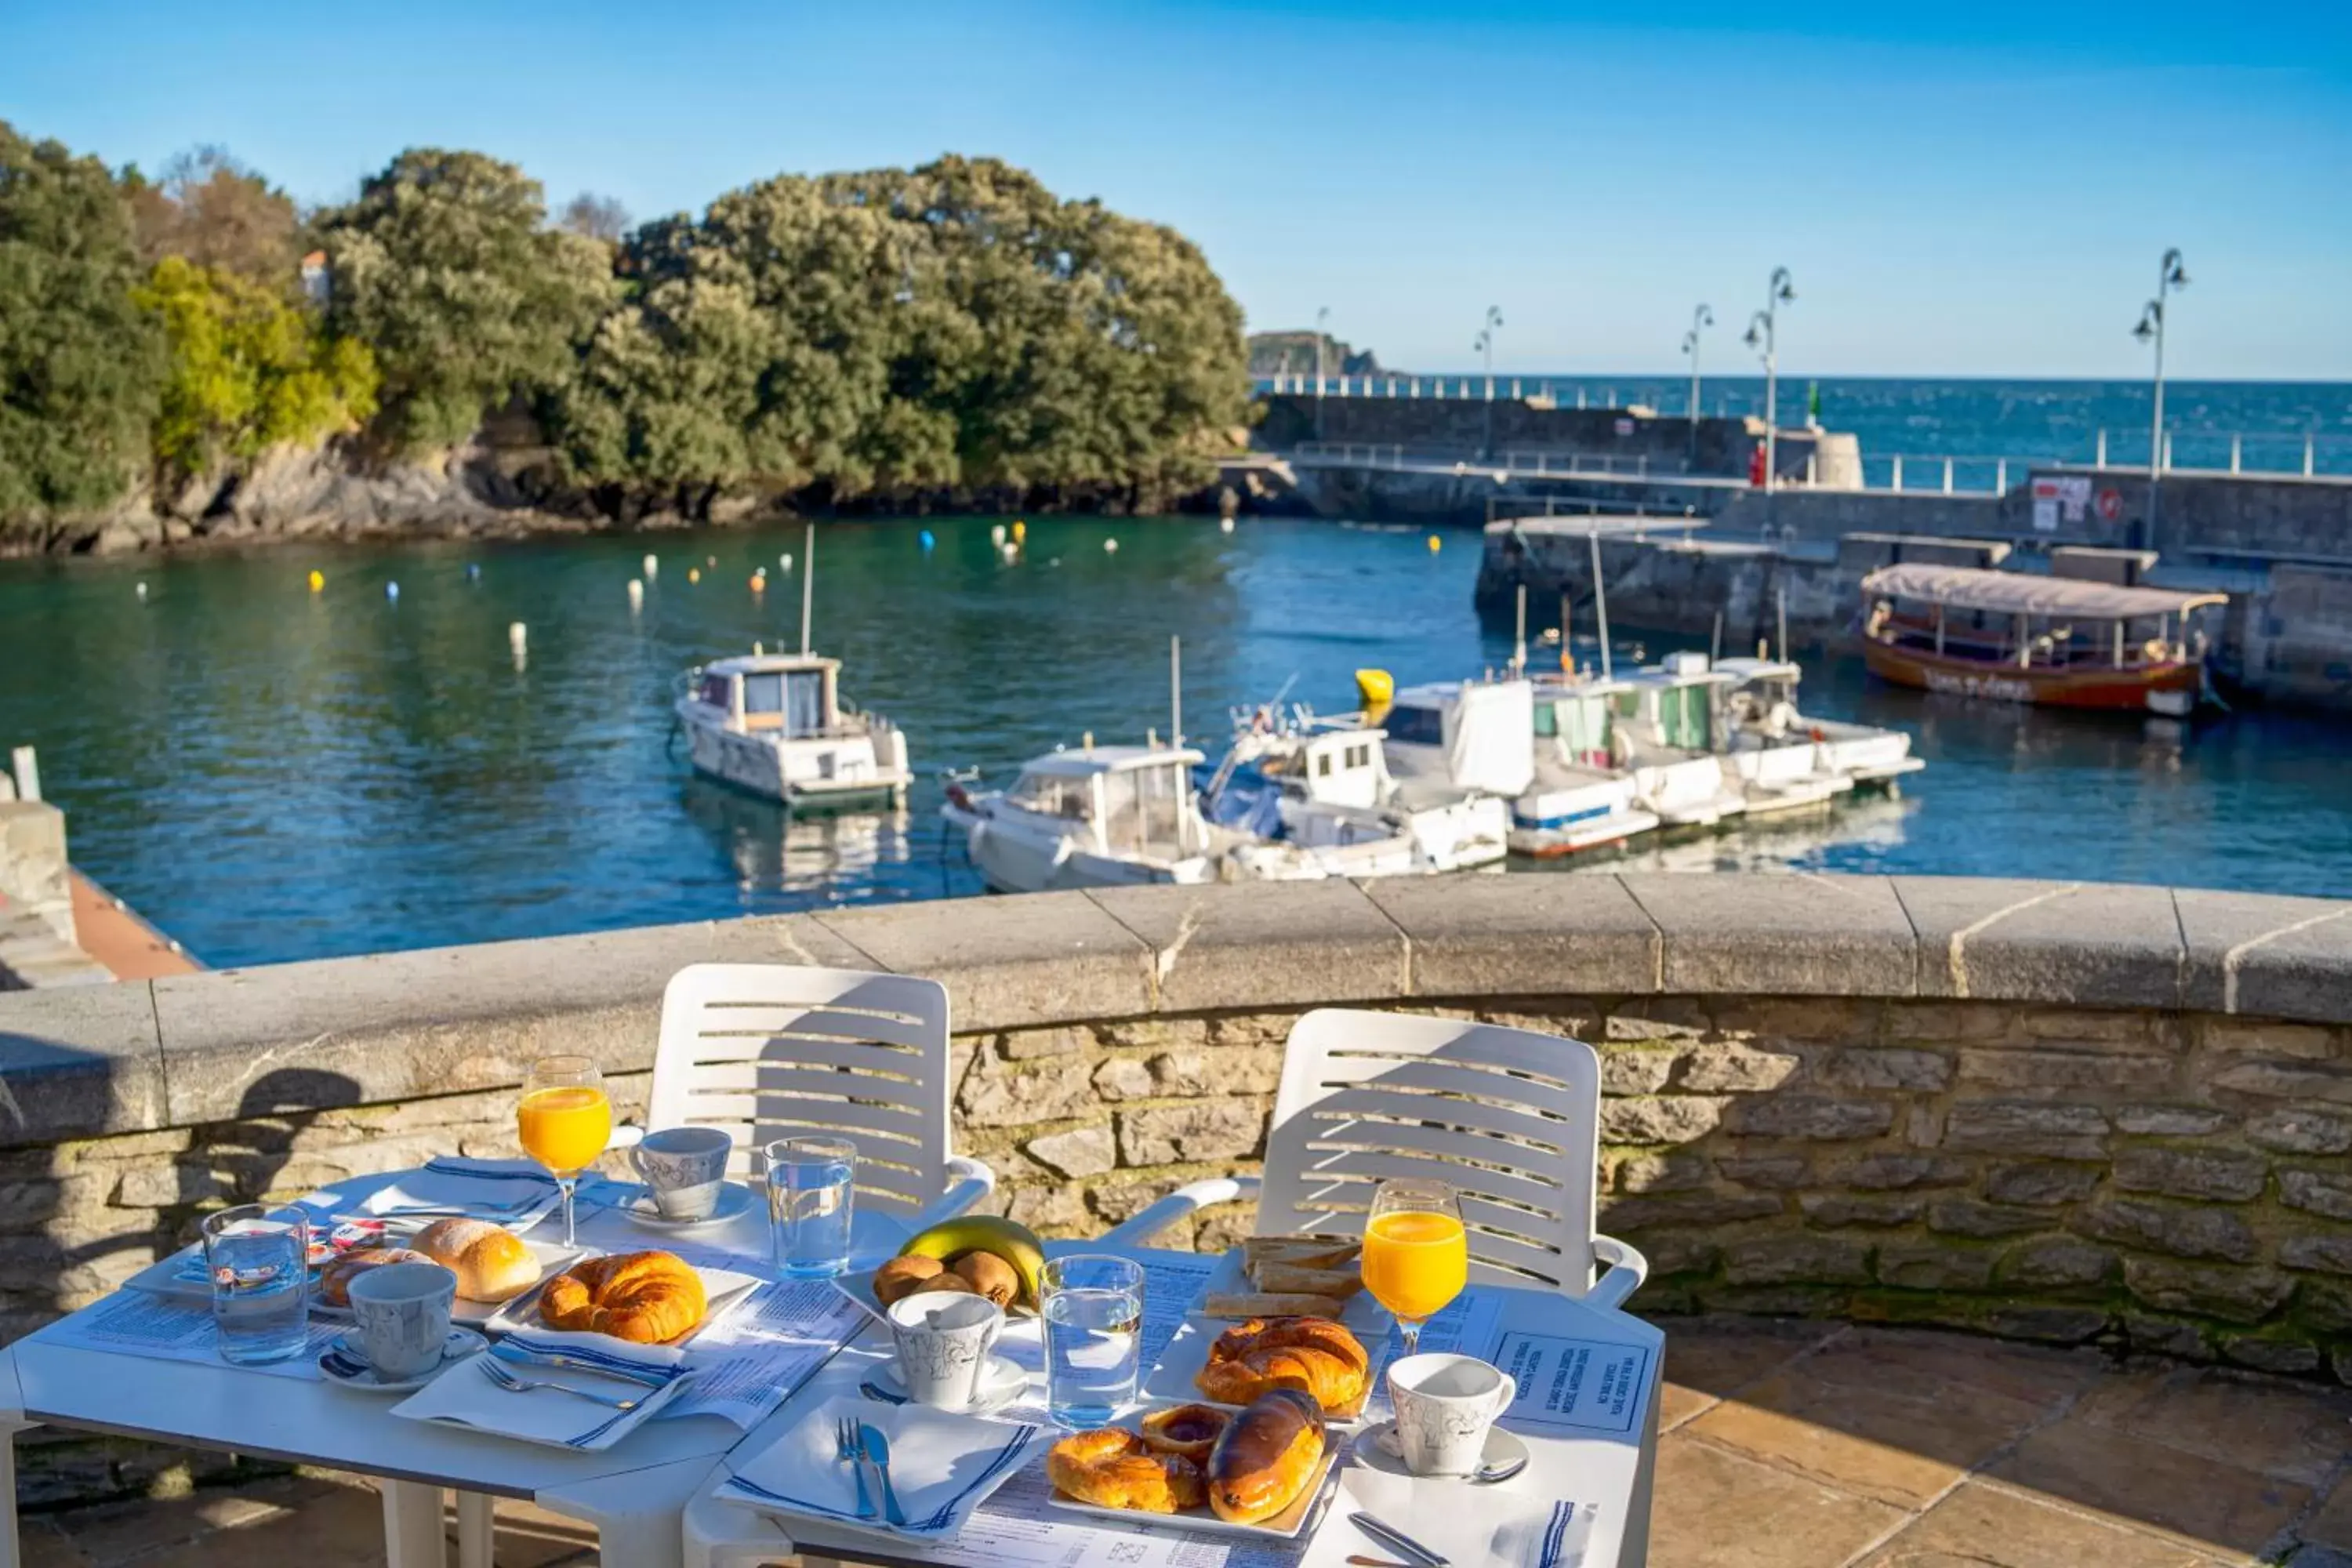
[2016, 637]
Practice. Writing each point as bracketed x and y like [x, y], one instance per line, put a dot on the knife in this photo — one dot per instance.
[508, 1351]
[877, 1448]
[1397, 1541]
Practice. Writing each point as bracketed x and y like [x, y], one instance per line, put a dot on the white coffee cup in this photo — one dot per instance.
[943, 1342]
[684, 1168]
[1443, 1406]
[402, 1313]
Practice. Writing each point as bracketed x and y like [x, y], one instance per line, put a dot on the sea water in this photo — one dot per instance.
[260, 1295]
[1094, 1343]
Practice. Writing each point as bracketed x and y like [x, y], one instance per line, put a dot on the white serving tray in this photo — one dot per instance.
[1169, 1381]
[724, 1289]
[1303, 1514]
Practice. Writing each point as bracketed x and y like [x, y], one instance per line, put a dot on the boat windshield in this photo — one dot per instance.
[1143, 811]
[789, 701]
[1066, 796]
[1410, 726]
[716, 693]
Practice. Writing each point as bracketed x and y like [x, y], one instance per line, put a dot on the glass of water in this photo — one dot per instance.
[259, 1259]
[811, 1203]
[1093, 1312]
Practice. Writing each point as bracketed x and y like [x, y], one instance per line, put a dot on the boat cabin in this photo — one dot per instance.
[1469, 734]
[1133, 801]
[2029, 623]
[792, 695]
[1579, 720]
[1671, 704]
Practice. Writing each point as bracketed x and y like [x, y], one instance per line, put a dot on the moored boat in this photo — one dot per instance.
[2057, 641]
[774, 724]
[1769, 738]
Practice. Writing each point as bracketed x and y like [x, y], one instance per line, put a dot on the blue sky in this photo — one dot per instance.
[1978, 190]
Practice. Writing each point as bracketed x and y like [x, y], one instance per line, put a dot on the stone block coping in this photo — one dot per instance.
[188, 1049]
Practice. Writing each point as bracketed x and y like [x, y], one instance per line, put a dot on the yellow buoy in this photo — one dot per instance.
[1435, 545]
[317, 581]
[1020, 531]
[694, 573]
[1375, 689]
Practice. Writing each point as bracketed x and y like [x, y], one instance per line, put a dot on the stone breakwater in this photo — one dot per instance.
[2066, 1113]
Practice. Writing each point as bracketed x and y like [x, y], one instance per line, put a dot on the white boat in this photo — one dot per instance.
[1659, 727]
[774, 724]
[1501, 737]
[1333, 792]
[1102, 817]
[1761, 709]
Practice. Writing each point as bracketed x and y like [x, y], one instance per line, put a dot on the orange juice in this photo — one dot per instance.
[565, 1128]
[1415, 1263]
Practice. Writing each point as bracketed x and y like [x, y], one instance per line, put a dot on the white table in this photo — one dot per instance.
[630, 1492]
[1612, 1473]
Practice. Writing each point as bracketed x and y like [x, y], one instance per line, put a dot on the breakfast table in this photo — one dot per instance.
[1587, 1414]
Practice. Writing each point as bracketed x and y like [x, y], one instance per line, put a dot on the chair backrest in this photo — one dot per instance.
[1510, 1117]
[771, 1050]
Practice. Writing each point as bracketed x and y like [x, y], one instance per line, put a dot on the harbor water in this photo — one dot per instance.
[272, 773]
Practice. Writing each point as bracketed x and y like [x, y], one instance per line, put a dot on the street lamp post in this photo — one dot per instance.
[1485, 344]
[2169, 275]
[1762, 333]
[1701, 319]
[1322, 314]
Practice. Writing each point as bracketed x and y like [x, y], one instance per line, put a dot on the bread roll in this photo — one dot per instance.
[335, 1279]
[490, 1262]
[646, 1298]
[1266, 1457]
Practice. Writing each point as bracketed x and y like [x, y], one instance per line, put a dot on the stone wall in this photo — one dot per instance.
[2057, 1111]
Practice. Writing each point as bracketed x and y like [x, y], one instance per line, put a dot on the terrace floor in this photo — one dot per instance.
[1786, 1446]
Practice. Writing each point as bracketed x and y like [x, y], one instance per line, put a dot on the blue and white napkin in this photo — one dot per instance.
[943, 1465]
[515, 1193]
[465, 1396]
[1506, 1530]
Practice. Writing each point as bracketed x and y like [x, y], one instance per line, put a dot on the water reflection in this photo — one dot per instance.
[817, 859]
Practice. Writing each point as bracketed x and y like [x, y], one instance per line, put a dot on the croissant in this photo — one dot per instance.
[1265, 1458]
[1313, 1354]
[1112, 1467]
[647, 1297]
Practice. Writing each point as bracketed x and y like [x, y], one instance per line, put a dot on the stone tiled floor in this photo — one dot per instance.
[1786, 1446]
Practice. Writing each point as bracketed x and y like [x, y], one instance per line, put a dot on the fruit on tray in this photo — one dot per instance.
[1313, 1355]
[992, 1256]
[1292, 1276]
[1266, 1457]
[1114, 1468]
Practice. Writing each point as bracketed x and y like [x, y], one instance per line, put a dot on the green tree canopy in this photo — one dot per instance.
[248, 369]
[446, 268]
[80, 363]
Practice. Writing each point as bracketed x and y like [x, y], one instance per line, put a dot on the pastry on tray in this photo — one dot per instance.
[646, 1298]
[1314, 1355]
[490, 1261]
[1188, 1431]
[334, 1286]
[1292, 1276]
[1113, 1467]
[1265, 1458]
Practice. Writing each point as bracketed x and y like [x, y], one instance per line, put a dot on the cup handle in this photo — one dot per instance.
[988, 1340]
[1505, 1394]
[637, 1160]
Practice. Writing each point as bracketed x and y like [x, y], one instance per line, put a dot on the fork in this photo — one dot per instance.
[851, 1451]
[497, 1373]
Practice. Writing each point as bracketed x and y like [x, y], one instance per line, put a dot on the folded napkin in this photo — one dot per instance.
[941, 1465]
[1506, 1528]
[465, 1396]
[515, 1192]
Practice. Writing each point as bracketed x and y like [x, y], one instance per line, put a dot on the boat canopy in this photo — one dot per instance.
[2020, 594]
[1085, 761]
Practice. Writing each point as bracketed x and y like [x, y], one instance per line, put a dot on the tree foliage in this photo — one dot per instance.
[248, 369]
[446, 268]
[592, 216]
[217, 213]
[80, 363]
[955, 326]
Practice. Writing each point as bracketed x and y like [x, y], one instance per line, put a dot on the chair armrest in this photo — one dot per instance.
[1627, 1269]
[968, 1181]
[1182, 1203]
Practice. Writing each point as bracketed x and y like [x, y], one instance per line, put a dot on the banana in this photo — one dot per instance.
[1017, 1244]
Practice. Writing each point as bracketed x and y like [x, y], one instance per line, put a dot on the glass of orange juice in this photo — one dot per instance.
[565, 1121]
[1416, 1254]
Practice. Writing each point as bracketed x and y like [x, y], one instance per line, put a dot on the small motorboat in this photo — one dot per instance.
[1769, 738]
[1099, 816]
[774, 724]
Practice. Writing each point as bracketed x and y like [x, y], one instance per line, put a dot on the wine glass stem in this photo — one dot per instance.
[1409, 1328]
[564, 1185]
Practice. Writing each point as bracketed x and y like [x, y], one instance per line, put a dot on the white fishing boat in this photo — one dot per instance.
[1681, 704]
[1325, 785]
[1100, 816]
[1764, 722]
[775, 725]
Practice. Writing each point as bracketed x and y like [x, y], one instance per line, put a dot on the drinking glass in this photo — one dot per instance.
[1416, 1254]
[259, 1259]
[1092, 1305]
[564, 1122]
[811, 1204]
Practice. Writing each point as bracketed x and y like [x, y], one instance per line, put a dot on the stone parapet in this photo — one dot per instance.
[2051, 1111]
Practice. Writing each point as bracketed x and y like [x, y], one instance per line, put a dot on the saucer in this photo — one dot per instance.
[1002, 1381]
[343, 1364]
[733, 1203]
[1377, 1449]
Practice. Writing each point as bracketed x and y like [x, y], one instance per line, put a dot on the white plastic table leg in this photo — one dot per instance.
[413, 1536]
[11, 1553]
[1634, 1553]
[476, 1530]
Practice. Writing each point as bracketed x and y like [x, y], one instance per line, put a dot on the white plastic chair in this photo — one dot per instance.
[1510, 1117]
[769, 1050]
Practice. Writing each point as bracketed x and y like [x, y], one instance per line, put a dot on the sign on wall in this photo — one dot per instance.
[2060, 497]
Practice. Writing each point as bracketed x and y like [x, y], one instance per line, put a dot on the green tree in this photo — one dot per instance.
[248, 369]
[446, 268]
[80, 363]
